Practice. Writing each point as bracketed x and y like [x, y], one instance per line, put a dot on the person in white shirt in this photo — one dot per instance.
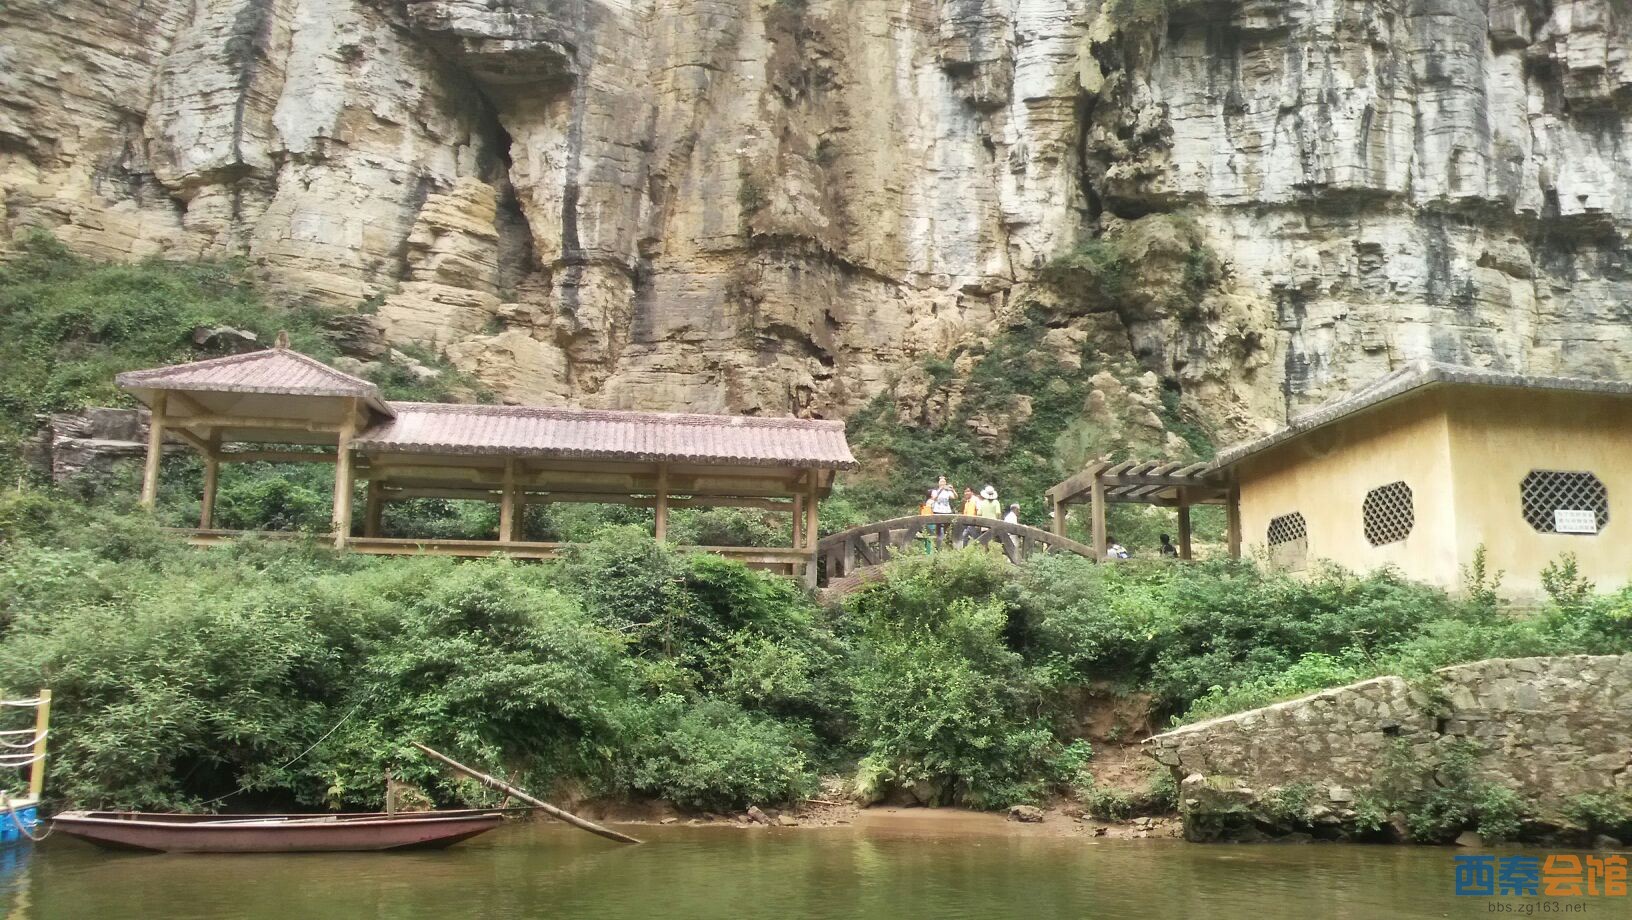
[1114, 550]
[1013, 516]
[940, 502]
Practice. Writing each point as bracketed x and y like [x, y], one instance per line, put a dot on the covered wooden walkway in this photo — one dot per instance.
[1163, 483]
[279, 405]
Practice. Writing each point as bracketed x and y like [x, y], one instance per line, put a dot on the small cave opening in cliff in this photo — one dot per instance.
[517, 258]
[1090, 169]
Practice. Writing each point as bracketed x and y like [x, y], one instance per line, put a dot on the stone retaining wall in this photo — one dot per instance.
[1549, 728]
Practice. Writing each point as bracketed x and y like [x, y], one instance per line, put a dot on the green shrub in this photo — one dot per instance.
[1440, 795]
[942, 705]
[1602, 813]
[717, 756]
[1290, 805]
[1108, 804]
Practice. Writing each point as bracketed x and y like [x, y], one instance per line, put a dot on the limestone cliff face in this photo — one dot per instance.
[776, 205]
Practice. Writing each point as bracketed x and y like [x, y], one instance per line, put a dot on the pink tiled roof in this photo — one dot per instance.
[594, 434]
[273, 370]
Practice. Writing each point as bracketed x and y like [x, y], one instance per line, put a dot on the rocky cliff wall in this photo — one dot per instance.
[775, 205]
[1547, 728]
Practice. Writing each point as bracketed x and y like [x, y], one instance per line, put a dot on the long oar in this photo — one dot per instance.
[546, 807]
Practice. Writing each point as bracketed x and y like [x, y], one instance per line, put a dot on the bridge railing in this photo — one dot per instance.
[848, 551]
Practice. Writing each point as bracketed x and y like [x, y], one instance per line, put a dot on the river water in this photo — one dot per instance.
[547, 870]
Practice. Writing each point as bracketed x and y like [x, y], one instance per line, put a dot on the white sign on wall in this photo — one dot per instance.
[1567, 520]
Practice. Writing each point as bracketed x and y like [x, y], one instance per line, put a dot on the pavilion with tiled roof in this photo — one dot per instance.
[275, 405]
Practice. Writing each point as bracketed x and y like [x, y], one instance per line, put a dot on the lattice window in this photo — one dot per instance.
[1287, 528]
[1564, 502]
[1289, 541]
[1388, 513]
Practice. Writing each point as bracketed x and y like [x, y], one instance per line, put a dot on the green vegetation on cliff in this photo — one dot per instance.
[71, 324]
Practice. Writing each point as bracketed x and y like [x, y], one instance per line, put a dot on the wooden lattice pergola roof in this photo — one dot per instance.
[513, 455]
[1170, 484]
[1153, 482]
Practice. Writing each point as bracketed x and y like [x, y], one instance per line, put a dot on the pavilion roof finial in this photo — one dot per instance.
[283, 339]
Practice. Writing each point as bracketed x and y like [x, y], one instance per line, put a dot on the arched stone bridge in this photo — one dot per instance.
[848, 552]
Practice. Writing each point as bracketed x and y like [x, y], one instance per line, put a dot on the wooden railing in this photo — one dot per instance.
[847, 552]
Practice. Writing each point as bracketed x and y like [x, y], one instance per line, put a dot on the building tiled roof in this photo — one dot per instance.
[273, 370]
[518, 431]
[1412, 377]
[592, 434]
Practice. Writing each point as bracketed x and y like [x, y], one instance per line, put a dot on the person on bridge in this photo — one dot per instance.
[1013, 517]
[989, 506]
[940, 502]
[971, 508]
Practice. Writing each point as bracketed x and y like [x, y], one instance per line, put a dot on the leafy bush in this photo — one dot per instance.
[1602, 813]
[1441, 795]
[1314, 671]
[718, 756]
[942, 705]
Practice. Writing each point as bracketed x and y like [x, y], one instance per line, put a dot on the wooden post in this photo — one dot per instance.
[42, 727]
[1184, 525]
[661, 528]
[798, 522]
[1232, 510]
[1097, 511]
[374, 508]
[507, 503]
[1058, 524]
[518, 532]
[343, 477]
[813, 477]
[155, 452]
[212, 477]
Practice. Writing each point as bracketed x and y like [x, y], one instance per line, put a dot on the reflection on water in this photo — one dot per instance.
[538, 870]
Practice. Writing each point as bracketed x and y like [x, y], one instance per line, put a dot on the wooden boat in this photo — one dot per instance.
[275, 833]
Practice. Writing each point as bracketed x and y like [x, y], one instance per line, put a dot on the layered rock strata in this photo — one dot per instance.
[776, 205]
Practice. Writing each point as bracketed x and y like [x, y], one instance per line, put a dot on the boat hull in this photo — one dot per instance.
[275, 833]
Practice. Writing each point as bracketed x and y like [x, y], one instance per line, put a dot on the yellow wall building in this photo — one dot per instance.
[1428, 464]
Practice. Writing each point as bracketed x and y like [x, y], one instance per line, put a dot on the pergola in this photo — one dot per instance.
[278, 405]
[1162, 483]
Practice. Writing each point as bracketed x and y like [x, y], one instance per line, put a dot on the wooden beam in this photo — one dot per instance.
[1057, 525]
[1184, 525]
[1232, 513]
[273, 424]
[798, 521]
[1097, 510]
[661, 528]
[1073, 488]
[1130, 479]
[722, 501]
[155, 452]
[343, 477]
[472, 495]
[212, 478]
[194, 441]
[277, 456]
